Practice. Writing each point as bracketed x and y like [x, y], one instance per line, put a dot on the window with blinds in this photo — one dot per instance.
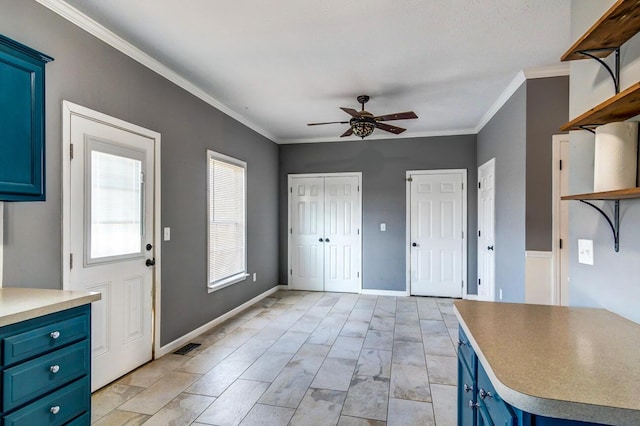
[226, 205]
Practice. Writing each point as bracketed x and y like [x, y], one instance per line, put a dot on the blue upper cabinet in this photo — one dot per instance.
[22, 128]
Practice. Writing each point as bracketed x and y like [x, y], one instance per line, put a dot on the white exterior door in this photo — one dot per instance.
[436, 233]
[111, 221]
[306, 242]
[486, 231]
[324, 233]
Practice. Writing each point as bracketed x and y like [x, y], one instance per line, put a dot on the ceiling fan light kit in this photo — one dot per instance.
[363, 123]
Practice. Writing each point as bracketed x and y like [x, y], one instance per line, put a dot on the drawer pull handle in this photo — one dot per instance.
[54, 334]
[55, 409]
[484, 394]
[473, 405]
[467, 388]
[54, 369]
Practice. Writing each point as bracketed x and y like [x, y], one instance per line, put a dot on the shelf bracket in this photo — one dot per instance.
[615, 225]
[588, 129]
[615, 73]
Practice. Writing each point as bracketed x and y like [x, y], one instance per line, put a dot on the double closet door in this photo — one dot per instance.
[325, 215]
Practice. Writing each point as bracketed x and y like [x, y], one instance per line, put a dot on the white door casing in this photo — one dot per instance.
[437, 233]
[324, 232]
[109, 205]
[560, 245]
[486, 231]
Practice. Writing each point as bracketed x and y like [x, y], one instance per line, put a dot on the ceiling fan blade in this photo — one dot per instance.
[397, 116]
[352, 112]
[389, 128]
[349, 132]
[328, 122]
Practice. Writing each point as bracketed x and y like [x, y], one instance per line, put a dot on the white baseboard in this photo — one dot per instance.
[282, 287]
[471, 297]
[375, 292]
[178, 343]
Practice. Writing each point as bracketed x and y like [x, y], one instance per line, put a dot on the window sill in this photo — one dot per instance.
[227, 282]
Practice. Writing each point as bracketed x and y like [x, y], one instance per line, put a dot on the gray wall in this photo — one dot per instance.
[504, 138]
[547, 110]
[383, 164]
[88, 72]
[612, 282]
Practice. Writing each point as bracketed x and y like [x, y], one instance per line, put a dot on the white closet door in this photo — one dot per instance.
[307, 234]
[486, 231]
[436, 234]
[342, 234]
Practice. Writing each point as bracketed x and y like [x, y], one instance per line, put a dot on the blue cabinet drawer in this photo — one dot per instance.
[55, 409]
[499, 412]
[83, 420]
[465, 351]
[466, 395]
[40, 339]
[41, 375]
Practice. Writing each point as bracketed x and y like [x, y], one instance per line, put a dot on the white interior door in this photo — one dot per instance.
[324, 232]
[561, 218]
[111, 240]
[342, 234]
[306, 242]
[436, 234]
[486, 231]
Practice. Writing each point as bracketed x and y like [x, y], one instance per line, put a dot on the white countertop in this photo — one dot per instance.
[20, 304]
[561, 362]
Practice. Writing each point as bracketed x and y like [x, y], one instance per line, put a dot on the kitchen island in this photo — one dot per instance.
[546, 365]
[45, 356]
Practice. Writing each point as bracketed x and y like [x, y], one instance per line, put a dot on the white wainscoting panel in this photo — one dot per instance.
[539, 278]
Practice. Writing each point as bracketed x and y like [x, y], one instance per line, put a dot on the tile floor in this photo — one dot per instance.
[302, 358]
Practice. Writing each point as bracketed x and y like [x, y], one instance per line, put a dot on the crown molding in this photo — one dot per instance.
[81, 20]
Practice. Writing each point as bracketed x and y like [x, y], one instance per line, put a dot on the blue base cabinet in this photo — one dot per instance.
[480, 405]
[46, 370]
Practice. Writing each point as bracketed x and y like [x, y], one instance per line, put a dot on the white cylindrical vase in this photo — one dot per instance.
[616, 156]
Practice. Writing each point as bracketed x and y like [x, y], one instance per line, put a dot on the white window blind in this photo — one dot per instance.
[227, 220]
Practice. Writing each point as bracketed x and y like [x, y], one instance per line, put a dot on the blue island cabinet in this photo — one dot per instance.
[480, 405]
[46, 367]
[21, 122]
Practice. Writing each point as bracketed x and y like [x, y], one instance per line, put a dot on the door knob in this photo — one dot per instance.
[414, 244]
[148, 247]
[320, 239]
[489, 247]
[150, 262]
[326, 240]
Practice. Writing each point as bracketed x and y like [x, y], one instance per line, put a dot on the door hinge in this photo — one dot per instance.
[462, 283]
[560, 164]
[290, 271]
[463, 185]
[358, 188]
[479, 185]
[358, 274]
[560, 243]
[479, 281]
[291, 231]
[291, 190]
[70, 151]
[479, 234]
[409, 179]
[463, 235]
[70, 260]
[358, 231]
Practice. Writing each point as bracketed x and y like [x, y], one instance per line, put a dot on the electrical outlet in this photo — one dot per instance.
[255, 277]
[500, 294]
[585, 252]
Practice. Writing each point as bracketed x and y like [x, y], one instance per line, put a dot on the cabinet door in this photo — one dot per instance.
[21, 122]
[466, 395]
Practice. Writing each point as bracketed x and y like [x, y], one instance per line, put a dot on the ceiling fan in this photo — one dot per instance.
[363, 123]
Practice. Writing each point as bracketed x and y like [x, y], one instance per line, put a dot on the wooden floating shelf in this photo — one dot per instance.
[612, 30]
[620, 107]
[621, 194]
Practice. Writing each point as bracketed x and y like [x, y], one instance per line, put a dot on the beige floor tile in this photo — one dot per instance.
[403, 413]
[438, 345]
[374, 362]
[347, 347]
[183, 410]
[445, 404]
[267, 367]
[442, 370]
[122, 418]
[335, 374]
[234, 404]
[150, 373]
[409, 382]
[357, 421]
[267, 415]
[319, 407]
[156, 396]
[206, 360]
[111, 397]
[368, 397]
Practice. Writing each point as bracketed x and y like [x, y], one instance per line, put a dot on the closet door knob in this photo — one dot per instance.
[326, 240]
[320, 239]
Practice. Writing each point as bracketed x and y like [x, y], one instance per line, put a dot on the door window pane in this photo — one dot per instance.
[116, 205]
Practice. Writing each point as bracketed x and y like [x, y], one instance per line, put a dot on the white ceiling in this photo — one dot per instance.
[277, 65]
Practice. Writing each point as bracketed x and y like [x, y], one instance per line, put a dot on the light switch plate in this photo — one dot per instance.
[585, 252]
[383, 227]
[167, 234]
